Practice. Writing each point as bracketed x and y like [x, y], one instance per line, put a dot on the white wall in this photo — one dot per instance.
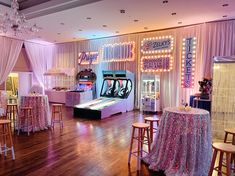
[25, 83]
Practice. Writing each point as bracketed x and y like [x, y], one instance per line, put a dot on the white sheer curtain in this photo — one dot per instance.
[9, 52]
[213, 39]
[64, 55]
[63, 58]
[40, 57]
[171, 91]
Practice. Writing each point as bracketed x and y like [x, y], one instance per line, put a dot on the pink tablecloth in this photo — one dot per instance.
[41, 110]
[183, 143]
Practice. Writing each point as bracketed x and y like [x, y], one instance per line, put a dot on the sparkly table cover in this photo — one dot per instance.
[41, 110]
[3, 99]
[2, 111]
[3, 102]
[183, 143]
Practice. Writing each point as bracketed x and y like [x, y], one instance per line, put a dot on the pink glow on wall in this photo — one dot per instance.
[22, 64]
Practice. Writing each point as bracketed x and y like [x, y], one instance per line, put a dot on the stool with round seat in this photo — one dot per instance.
[141, 139]
[151, 120]
[6, 138]
[229, 131]
[26, 119]
[57, 109]
[232, 132]
[12, 112]
[226, 148]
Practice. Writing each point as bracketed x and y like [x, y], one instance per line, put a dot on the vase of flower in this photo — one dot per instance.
[205, 88]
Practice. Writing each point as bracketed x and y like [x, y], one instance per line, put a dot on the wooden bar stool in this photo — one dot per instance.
[140, 138]
[229, 131]
[11, 113]
[151, 120]
[229, 150]
[6, 138]
[57, 109]
[26, 119]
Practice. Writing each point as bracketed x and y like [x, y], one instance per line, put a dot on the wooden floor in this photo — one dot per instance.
[83, 148]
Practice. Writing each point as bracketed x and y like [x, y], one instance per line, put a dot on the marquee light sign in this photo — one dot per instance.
[86, 58]
[118, 52]
[162, 44]
[159, 63]
[188, 62]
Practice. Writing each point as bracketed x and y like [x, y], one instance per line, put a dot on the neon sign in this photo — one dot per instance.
[160, 63]
[118, 52]
[188, 62]
[86, 58]
[162, 44]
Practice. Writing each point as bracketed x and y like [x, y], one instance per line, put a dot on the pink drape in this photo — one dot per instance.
[9, 52]
[219, 41]
[40, 57]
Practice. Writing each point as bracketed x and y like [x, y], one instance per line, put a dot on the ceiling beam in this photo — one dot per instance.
[24, 4]
[5, 3]
[53, 6]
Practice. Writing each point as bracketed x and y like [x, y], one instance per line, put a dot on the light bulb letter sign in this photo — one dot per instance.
[188, 62]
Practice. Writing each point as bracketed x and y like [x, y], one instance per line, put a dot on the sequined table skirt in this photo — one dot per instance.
[183, 143]
[41, 111]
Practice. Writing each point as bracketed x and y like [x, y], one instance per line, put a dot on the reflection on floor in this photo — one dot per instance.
[83, 148]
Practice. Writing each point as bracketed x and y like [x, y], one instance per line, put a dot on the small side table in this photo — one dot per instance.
[202, 104]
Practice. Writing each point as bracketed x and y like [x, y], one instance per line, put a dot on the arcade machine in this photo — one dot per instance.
[84, 90]
[116, 96]
[86, 79]
[150, 93]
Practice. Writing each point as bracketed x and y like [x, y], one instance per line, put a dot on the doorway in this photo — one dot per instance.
[12, 87]
[18, 84]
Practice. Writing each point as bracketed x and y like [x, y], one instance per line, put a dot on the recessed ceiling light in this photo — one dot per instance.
[122, 11]
[146, 28]
[180, 22]
[88, 18]
[104, 25]
[135, 20]
[225, 5]
[61, 23]
[224, 16]
[58, 33]
[173, 13]
[117, 32]
[79, 29]
[164, 2]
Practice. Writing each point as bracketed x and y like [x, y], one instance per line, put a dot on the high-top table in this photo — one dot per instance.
[41, 110]
[183, 143]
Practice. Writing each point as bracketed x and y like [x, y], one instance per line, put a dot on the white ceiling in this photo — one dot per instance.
[153, 14]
